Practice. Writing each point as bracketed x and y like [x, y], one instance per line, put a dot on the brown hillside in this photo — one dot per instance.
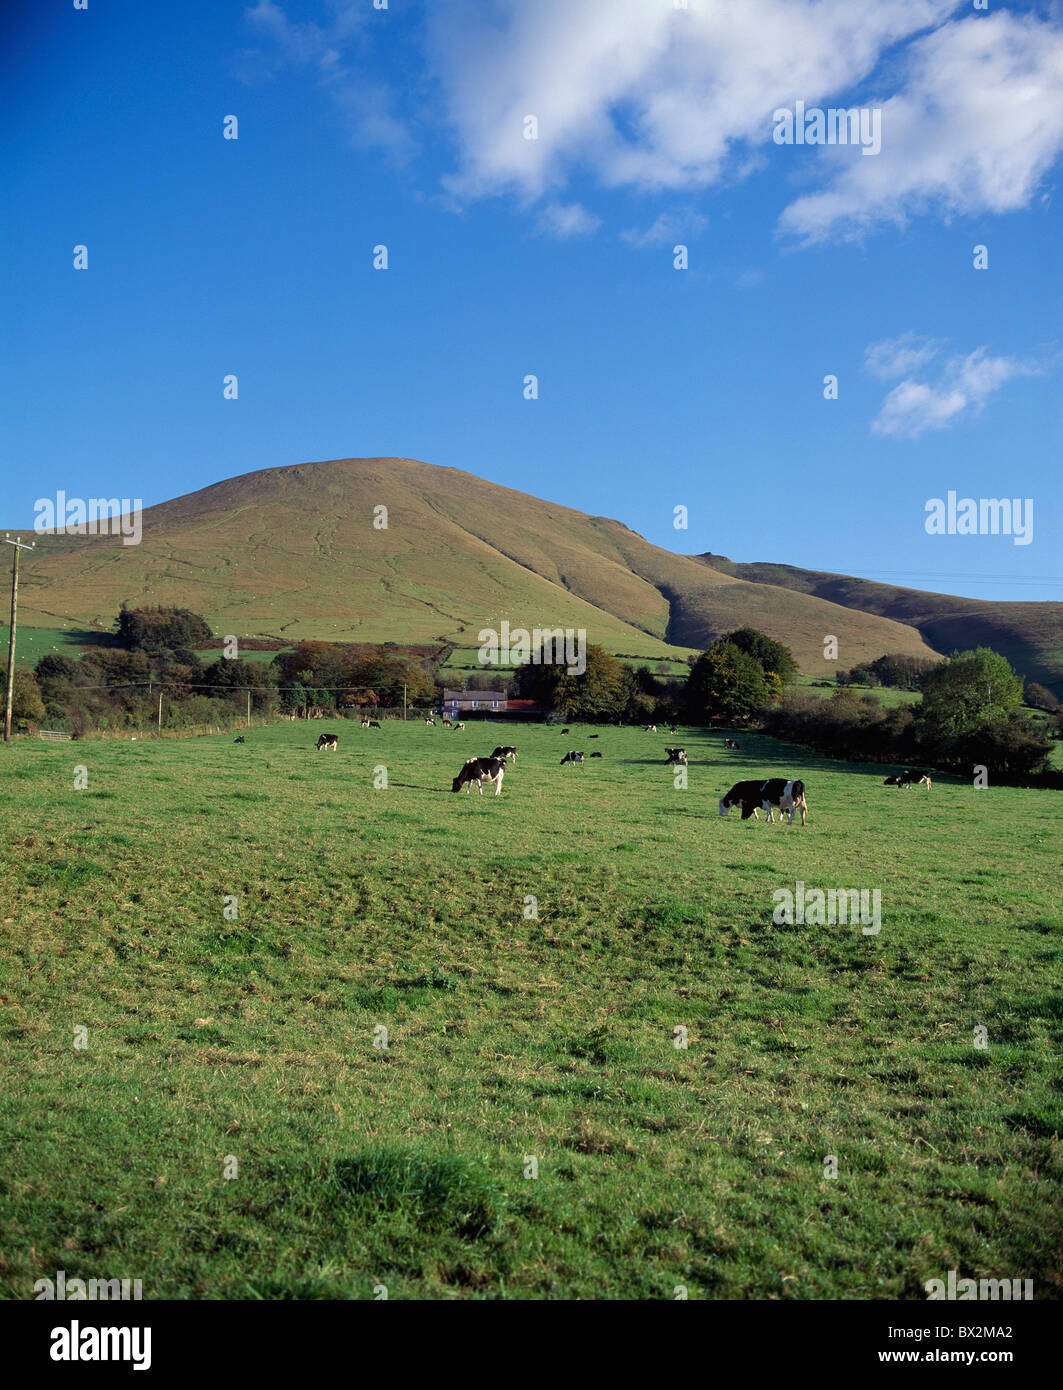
[293, 551]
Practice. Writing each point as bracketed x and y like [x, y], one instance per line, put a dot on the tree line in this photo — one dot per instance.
[968, 713]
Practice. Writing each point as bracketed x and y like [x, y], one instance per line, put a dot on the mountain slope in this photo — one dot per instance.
[294, 551]
[1030, 635]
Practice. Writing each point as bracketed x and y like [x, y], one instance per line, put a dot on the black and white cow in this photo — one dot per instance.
[429, 723]
[480, 770]
[509, 753]
[368, 723]
[730, 743]
[651, 728]
[774, 793]
[328, 741]
[572, 757]
[239, 739]
[676, 755]
[910, 779]
[458, 727]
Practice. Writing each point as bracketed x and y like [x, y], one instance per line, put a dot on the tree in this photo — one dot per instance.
[161, 629]
[772, 655]
[969, 692]
[27, 707]
[1012, 745]
[602, 692]
[725, 683]
[231, 678]
[902, 671]
[1040, 697]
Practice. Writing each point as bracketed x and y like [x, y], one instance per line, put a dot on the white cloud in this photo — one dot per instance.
[564, 220]
[642, 95]
[966, 383]
[363, 101]
[894, 357]
[975, 128]
[668, 230]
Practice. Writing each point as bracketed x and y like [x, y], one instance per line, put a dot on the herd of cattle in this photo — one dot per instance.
[768, 794]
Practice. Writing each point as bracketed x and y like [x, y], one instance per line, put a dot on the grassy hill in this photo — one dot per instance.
[293, 552]
[1030, 635]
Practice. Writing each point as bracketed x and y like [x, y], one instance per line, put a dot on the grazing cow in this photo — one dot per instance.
[596, 755]
[447, 723]
[508, 752]
[373, 724]
[676, 755]
[770, 794]
[651, 728]
[458, 726]
[566, 731]
[429, 723]
[241, 739]
[328, 741]
[909, 779]
[480, 770]
[672, 729]
[572, 757]
[730, 743]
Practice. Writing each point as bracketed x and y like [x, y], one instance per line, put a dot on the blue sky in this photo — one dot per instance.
[658, 387]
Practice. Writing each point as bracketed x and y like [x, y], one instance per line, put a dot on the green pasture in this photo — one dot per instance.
[31, 643]
[235, 926]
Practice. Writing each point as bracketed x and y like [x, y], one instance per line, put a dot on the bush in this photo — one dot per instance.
[1040, 697]
[157, 629]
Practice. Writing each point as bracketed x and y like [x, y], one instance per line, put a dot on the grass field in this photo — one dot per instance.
[464, 661]
[34, 642]
[886, 695]
[511, 1038]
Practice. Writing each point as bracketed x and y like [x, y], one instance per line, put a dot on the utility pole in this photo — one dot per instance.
[404, 699]
[249, 707]
[159, 725]
[11, 638]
